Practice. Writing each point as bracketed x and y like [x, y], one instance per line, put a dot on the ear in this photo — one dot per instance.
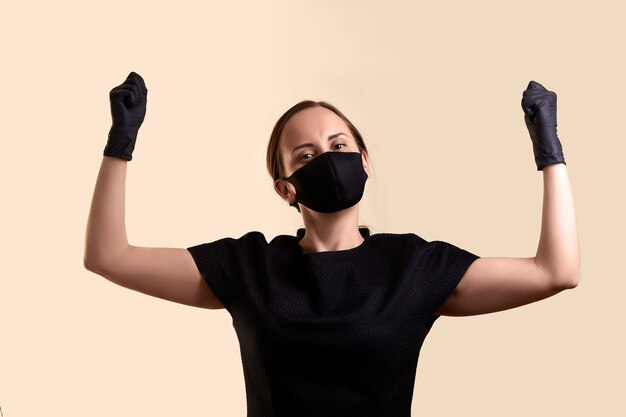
[366, 164]
[286, 190]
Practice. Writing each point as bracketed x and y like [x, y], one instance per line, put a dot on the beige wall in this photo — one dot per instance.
[434, 88]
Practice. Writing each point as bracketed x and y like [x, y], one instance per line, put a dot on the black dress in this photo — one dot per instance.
[334, 333]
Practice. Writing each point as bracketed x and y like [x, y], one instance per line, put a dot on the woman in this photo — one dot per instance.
[331, 321]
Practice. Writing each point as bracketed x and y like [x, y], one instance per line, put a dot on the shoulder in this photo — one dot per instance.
[413, 246]
[398, 241]
[230, 245]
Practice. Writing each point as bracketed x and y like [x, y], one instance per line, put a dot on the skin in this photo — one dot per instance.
[490, 283]
[499, 283]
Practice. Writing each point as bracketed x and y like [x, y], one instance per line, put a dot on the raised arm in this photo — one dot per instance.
[167, 273]
[498, 283]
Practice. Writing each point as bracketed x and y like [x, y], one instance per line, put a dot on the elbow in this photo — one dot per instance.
[94, 261]
[573, 281]
[562, 277]
[567, 282]
[88, 264]
[91, 265]
[89, 259]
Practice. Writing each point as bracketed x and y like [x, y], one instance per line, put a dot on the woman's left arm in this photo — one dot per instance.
[498, 283]
[495, 284]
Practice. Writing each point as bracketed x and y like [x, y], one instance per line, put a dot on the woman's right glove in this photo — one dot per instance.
[128, 109]
[539, 107]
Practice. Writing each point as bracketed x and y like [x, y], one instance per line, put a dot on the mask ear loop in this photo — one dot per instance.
[295, 203]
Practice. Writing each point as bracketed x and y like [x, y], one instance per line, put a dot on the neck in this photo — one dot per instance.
[331, 231]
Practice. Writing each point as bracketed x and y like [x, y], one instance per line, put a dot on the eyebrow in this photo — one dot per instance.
[304, 145]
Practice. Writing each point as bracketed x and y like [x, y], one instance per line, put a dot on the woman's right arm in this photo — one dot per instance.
[167, 273]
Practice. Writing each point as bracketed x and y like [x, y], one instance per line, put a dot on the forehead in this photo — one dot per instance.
[310, 124]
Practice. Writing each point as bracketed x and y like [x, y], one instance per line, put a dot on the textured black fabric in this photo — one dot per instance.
[331, 182]
[334, 333]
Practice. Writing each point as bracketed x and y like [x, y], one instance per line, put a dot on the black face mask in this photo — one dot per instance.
[331, 182]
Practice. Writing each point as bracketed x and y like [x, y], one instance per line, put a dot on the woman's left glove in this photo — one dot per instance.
[539, 107]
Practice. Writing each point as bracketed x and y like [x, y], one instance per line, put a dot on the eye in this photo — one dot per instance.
[342, 144]
[303, 156]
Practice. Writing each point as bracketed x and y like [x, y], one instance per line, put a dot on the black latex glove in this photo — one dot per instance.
[539, 107]
[128, 109]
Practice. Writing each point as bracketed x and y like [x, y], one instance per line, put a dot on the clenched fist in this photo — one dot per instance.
[539, 107]
[128, 110]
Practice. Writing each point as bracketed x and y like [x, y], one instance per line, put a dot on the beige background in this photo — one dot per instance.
[435, 89]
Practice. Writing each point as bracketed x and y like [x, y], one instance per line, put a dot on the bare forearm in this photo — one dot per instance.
[558, 250]
[105, 238]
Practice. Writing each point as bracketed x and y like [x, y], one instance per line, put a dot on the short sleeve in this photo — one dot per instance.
[446, 265]
[221, 263]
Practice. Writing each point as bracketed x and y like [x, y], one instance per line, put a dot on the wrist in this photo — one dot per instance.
[549, 160]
